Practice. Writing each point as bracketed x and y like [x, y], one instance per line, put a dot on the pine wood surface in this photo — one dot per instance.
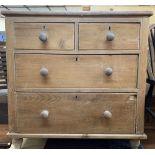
[60, 36]
[83, 76]
[66, 111]
[69, 71]
[93, 36]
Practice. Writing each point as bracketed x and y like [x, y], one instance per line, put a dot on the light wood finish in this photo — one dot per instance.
[10, 72]
[142, 79]
[76, 35]
[98, 136]
[82, 52]
[60, 36]
[79, 90]
[85, 19]
[80, 13]
[67, 110]
[69, 71]
[85, 32]
[93, 36]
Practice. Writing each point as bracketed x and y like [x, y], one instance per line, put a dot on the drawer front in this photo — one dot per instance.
[70, 71]
[44, 36]
[75, 113]
[108, 36]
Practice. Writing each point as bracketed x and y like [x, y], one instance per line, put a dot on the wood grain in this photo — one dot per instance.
[93, 36]
[98, 136]
[67, 110]
[10, 72]
[65, 19]
[77, 92]
[60, 36]
[66, 72]
[79, 13]
[142, 79]
[76, 51]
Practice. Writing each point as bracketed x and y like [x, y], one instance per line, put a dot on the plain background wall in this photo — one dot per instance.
[2, 24]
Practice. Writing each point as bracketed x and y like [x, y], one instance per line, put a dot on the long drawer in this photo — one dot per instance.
[75, 71]
[109, 36]
[56, 36]
[75, 113]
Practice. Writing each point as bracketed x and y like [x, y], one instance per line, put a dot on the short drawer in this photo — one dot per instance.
[75, 71]
[75, 113]
[108, 36]
[54, 36]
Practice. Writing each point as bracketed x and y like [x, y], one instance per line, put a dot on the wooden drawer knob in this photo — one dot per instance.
[108, 71]
[44, 114]
[43, 71]
[43, 36]
[110, 36]
[107, 114]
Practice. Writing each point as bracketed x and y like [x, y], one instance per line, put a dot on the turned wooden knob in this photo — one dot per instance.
[108, 71]
[44, 114]
[43, 36]
[110, 36]
[43, 71]
[107, 114]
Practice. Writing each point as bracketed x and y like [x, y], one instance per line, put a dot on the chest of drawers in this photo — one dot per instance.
[79, 74]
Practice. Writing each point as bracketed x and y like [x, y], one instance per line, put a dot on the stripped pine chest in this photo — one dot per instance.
[77, 74]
